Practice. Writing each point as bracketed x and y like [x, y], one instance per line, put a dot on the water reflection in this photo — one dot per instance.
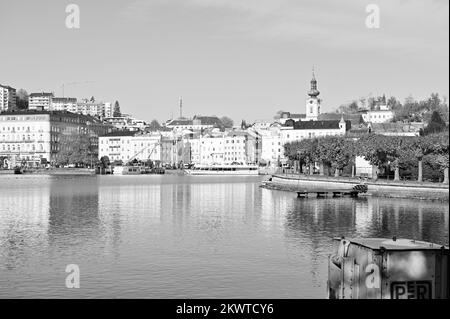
[367, 217]
[183, 236]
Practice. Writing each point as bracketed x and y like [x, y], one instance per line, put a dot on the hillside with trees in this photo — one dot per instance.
[410, 110]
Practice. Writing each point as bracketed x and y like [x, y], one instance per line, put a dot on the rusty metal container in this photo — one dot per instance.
[380, 268]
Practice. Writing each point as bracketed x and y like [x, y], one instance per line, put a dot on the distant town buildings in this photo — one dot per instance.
[284, 116]
[126, 146]
[226, 148]
[195, 124]
[293, 131]
[377, 116]
[294, 127]
[64, 104]
[272, 150]
[37, 134]
[39, 137]
[7, 98]
[40, 101]
[48, 102]
[94, 108]
[126, 122]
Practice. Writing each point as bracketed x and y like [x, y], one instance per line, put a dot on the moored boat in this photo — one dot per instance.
[223, 170]
[136, 170]
[128, 170]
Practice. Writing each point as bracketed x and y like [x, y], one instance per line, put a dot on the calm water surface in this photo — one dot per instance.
[184, 236]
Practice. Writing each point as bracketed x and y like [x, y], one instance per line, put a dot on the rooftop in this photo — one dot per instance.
[180, 122]
[52, 113]
[287, 115]
[7, 87]
[355, 119]
[64, 99]
[397, 244]
[208, 120]
[204, 120]
[119, 133]
[315, 125]
[40, 94]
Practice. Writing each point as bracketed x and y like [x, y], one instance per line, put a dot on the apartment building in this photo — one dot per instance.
[7, 98]
[63, 104]
[219, 149]
[40, 136]
[126, 146]
[40, 101]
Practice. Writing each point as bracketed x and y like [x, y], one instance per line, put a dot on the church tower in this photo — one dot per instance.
[313, 102]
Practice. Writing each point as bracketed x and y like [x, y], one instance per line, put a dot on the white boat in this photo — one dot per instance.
[128, 170]
[223, 170]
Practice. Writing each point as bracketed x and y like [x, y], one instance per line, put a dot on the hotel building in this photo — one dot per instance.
[39, 136]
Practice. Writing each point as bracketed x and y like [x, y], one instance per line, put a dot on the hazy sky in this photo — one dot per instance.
[241, 58]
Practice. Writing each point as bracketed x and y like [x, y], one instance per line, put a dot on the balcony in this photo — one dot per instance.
[17, 141]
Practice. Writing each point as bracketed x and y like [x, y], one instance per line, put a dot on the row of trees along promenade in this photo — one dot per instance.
[398, 153]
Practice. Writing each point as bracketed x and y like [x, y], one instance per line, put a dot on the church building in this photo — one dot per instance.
[308, 125]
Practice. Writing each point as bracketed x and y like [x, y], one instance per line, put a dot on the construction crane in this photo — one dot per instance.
[143, 149]
[73, 83]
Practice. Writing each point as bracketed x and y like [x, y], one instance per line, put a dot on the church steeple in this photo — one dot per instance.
[312, 101]
[313, 92]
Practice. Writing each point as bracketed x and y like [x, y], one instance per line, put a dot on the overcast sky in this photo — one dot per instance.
[243, 58]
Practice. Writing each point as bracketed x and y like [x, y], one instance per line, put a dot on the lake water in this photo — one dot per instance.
[168, 236]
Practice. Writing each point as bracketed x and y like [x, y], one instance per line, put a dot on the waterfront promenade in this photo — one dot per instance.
[52, 171]
[380, 188]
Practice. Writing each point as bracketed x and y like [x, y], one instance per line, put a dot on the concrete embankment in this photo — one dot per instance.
[293, 182]
[54, 171]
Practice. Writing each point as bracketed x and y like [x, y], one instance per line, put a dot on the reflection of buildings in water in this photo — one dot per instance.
[125, 201]
[250, 194]
[24, 215]
[175, 203]
[73, 209]
[218, 198]
[364, 217]
[311, 223]
[273, 208]
[214, 204]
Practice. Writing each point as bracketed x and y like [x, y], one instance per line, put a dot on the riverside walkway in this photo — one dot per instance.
[380, 188]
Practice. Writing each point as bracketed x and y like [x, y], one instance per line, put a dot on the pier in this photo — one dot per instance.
[344, 186]
[327, 193]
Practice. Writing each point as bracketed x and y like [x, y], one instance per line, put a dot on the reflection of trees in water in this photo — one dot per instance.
[310, 224]
[321, 219]
[421, 220]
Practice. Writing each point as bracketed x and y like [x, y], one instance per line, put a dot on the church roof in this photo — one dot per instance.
[316, 125]
[355, 119]
[208, 120]
[180, 122]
